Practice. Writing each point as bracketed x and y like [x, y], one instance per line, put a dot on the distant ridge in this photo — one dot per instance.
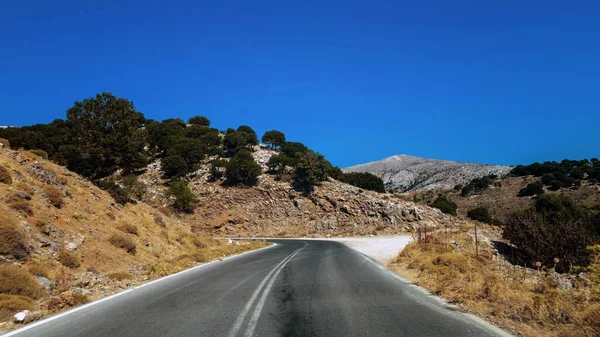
[404, 173]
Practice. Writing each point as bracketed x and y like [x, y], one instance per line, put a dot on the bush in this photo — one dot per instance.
[555, 185]
[54, 195]
[12, 241]
[242, 169]
[466, 190]
[40, 153]
[185, 200]
[11, 304]
[118, 193]
[535, 188]
[445, 205]
[20, 205]
[311, 169]
[480, 214]
[129, 228]
[17, 281]
[5, 176]
[133, 186]
[556, 227]
[124, 242]
[174, 166]
[120, 276]
[364, 180]
[68, 259]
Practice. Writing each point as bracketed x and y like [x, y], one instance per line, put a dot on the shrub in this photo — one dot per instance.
[12, 241]
[118, 193]
[5, 176]
[480, 214]
[124, 242]
[458, 187]
[40, 153]
[466, 190]
[4, 142]
[129, 228]
[79, 299]
[185, 200]
[311, 169]
[535, 188]
[556, 227]
[198, 242]
[555, 185]
[68, 259]
[20, 205]
[133, 186]
[445, 205]
[54, 195]
[242, 169]
[120, 276]
[364, 180]
[11, 304]
[17, 281]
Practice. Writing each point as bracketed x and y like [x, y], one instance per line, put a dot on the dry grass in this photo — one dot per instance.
[522, 300]
[80, 299]
[39, 270]
[120, 276]
[68, 259]
[11, 304]
[122, 241]
[54, 195]
[40, 153]
[17, 281]
[5, 143]
[5, 176]
[129, 228]
[25, 188]
[12, 241]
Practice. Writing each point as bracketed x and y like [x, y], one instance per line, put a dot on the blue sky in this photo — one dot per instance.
[502, 82]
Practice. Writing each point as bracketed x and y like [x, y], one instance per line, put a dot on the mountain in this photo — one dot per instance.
[405, 173]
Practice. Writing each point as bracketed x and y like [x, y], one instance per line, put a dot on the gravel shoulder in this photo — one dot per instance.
[381, 248]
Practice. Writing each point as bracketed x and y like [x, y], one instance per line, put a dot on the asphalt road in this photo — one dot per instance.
[296, 288]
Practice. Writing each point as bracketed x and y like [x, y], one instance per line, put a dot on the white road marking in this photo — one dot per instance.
[254, 319]
[68, 312]
[242, 316]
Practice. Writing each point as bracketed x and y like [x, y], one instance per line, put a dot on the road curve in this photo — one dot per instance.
[296, 288]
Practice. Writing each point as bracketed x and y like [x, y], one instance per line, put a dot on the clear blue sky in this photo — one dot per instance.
[503, 82]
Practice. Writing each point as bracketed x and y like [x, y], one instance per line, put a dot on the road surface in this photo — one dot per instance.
[296, 288]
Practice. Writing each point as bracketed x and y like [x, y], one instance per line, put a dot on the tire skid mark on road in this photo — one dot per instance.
[242, 316]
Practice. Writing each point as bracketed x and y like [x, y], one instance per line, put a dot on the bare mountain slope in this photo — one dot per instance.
[404, 173]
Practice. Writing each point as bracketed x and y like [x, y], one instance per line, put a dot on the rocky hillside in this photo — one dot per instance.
[274, 209]
[64, 241]
[404, 173]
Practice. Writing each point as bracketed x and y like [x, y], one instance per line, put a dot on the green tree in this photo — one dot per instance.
[242, 169]
[273, 138]
[174, 166]
[185, 200]
[312, 168]
[293, 151]
[199, 120]
[250, 134]
[107, 131]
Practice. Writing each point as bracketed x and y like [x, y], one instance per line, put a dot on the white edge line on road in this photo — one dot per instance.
[68, 312]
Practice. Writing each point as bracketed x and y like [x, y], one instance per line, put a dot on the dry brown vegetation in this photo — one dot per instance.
[532, 302]
[12, 241]
[129, 228]
[68, 259]
[122, 241]
[17, 281]
[54, 195]
[120, 276]
[5, 176]
[9, 304]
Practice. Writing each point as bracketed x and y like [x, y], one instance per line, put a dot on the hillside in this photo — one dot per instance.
[64, 241]
[402, 173]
